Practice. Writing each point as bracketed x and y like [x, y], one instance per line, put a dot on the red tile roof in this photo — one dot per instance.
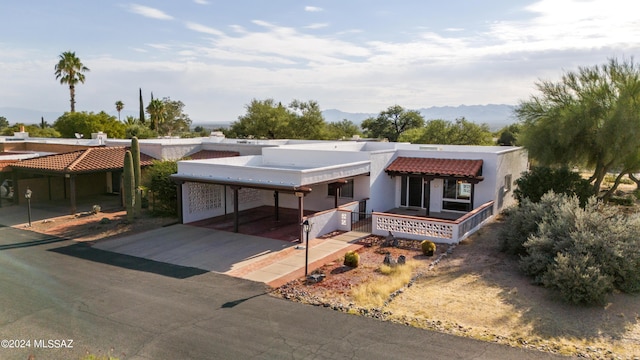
[4, 165]
[211, 154]
[436, 167]
[83, 161]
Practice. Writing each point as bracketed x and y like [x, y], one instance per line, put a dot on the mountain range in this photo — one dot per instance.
[494, 115]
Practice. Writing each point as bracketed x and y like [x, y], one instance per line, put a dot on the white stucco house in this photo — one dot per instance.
[438, 192]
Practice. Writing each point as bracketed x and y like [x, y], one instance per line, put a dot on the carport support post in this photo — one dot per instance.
[236, 216]
[72, 192]
[276, 201]
[179, 202]
[300, 196]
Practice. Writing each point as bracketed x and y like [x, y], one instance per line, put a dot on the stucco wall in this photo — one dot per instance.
[382, 186]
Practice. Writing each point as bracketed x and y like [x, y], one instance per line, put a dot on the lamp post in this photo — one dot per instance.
[306, 227]
[27, 195]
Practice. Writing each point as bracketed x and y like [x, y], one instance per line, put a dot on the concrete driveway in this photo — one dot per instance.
[198, 247]
[273, 262]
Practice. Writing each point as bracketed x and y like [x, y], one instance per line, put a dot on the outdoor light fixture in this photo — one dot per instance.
[27, 195]
[306, 227]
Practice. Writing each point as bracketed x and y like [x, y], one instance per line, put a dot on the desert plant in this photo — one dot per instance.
[579, 279]
[428, 247]
[162, 188]
[105, 221]
[135, 153]
[351, 259]
[128, 185]
[533, 184]
[375, 293]
[523, 221]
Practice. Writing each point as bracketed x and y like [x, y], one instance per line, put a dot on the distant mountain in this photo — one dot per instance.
[27, 116]
[496, 116]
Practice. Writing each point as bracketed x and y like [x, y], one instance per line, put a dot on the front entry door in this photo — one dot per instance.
[415, 191]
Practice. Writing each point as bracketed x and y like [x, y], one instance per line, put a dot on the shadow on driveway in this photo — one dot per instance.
[86, 252]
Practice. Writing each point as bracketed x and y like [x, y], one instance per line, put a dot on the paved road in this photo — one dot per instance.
[141, 309]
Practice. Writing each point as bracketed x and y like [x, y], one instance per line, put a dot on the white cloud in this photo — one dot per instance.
[160, 46]
[201, 2]
[312, 9]
[317, 26]
[202, 28]
[149, 12]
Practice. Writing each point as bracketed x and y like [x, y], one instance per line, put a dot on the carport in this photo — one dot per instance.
[87, 172]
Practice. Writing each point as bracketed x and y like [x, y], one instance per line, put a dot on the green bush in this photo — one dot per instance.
[351, 259]
[164, 190]
[579, 279]
[428, 247]
[523, 221]
[552, 236]
[583, 252]
[533, 184]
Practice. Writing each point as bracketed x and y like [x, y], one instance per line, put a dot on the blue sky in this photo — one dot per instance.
[356, 56]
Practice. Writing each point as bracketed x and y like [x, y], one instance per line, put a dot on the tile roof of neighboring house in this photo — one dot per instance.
[436, 167]
[83, 161]
[4, 165]
[211, 154]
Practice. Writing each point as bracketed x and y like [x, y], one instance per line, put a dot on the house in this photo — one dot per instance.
[67, 169]
[438, 192]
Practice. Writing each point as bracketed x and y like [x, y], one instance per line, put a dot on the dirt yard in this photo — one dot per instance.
[89, 227]
[476, 291]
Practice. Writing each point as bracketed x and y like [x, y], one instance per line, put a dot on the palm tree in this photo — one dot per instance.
[156, 113]
[119, 107]
[70, 71]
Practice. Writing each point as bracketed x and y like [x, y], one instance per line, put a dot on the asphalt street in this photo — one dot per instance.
[53, 291]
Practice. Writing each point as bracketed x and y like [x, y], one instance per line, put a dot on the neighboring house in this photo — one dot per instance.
[92, 171]
[439, 192]
[68, 169]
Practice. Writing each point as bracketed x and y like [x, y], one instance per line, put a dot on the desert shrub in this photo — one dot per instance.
[533, 184]
[579, 279]
[523, 221]
[105, 221]
[584, 253]
[428, 247]
[552, 236]
[351, 259]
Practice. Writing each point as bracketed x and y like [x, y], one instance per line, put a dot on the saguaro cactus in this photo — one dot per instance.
[135, 153]
[128, 184]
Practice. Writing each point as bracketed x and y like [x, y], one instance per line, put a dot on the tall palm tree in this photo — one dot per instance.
[156, 113]
[119, 107]
[70, 71]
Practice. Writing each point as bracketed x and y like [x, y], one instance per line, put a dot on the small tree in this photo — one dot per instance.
[164, 190]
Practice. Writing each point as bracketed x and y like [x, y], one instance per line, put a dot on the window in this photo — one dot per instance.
[346, 191]
[507, 183]
[456, 195]
[457, 189]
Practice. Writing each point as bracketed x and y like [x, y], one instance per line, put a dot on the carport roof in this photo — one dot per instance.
[96, 159]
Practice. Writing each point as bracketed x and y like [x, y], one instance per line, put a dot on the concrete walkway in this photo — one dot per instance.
[273, 262]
